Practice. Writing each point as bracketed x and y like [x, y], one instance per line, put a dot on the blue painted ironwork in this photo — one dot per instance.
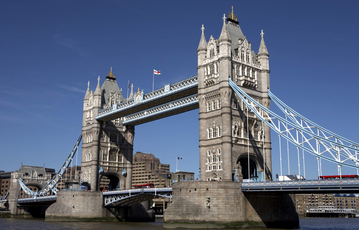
[173, 105]
[134, 196]
[37, 199]
[303, 186]
[292, 129]
[4, 198]
[51, 185]
[166, 91]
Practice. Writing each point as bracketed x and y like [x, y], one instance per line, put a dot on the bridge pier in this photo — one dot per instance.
[88, 206]
[218, 204]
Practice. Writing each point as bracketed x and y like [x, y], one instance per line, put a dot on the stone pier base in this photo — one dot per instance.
[220, 204]
[88, 206]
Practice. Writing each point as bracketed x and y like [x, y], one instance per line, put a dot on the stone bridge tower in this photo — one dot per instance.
[107, 147]
[225, 142]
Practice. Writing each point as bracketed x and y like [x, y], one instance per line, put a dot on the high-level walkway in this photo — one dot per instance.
[170, 100]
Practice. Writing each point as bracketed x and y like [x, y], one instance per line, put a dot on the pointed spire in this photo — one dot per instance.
[88, 90]
[98, 88]
[262, 47]
[202, 43]
[111, 75]
[224, 34]
[131, 94]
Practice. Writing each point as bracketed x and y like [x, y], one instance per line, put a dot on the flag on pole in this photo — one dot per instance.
[179, 158]
[156, 72]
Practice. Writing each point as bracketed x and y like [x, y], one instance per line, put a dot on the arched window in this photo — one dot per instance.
[212, 106]
[113, 138]
[214, 133]
[220, 131]
[210, 133]
[242, 54]
[211, 53]
[211, 69]
[208, 107]
[247, 56]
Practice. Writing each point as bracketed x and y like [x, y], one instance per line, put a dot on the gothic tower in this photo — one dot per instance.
[227, 137]
[107, 147]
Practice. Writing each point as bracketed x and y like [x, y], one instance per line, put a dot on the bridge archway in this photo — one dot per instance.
[109, 181]
[253, 167]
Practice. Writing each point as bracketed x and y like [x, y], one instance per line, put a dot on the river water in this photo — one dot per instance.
[40, 224]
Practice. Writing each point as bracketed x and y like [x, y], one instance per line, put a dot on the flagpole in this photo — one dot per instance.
[128, 85]
[177, 164]
[153, 81]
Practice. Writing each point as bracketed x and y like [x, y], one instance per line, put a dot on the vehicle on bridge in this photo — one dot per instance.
[290, 177]
[331, 177]
[148, 185]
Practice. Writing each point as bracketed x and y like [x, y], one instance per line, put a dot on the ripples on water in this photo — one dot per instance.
[40, 224]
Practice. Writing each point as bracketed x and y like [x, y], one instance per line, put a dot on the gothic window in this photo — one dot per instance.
[240, 70]
[211, 53]
[220, 131]
[208, 134]
[88, 156]
[112, 156]
[214, 167]
[247, 56]
[219, 152]
[217, 131]
[242, 54]
[211, 69]
[214, 133]
[217, 49]
[214, 158]
[213, 106]
[208, 152]
[217, 104]
[113, 138]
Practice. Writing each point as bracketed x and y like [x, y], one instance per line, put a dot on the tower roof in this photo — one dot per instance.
[88, 90]
[262, 47]
[202, 43]
[110, 86]
[234, 30]
[224, 33]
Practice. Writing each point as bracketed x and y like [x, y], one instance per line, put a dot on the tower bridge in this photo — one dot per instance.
[232, 93]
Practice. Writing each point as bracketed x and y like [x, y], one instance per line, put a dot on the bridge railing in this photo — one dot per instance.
[168, 89]
[300, 182]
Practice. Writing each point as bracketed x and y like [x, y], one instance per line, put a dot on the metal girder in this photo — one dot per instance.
[51, 185]
[303, 133]
[162, 110]
[35, 199]
[161, 96]
[303, 186]
[134, 196]
[4, 198]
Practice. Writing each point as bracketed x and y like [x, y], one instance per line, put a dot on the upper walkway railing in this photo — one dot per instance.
[172, 92]
[304, 186]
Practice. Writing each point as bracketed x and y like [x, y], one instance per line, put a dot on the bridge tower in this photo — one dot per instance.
[107, 146]
[227, 138]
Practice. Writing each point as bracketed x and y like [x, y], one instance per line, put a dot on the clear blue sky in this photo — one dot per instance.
[50, 49]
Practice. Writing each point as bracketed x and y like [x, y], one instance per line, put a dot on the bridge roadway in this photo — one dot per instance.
[170, 100]
[134, 196]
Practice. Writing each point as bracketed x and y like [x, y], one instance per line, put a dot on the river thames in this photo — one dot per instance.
[40, 224]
